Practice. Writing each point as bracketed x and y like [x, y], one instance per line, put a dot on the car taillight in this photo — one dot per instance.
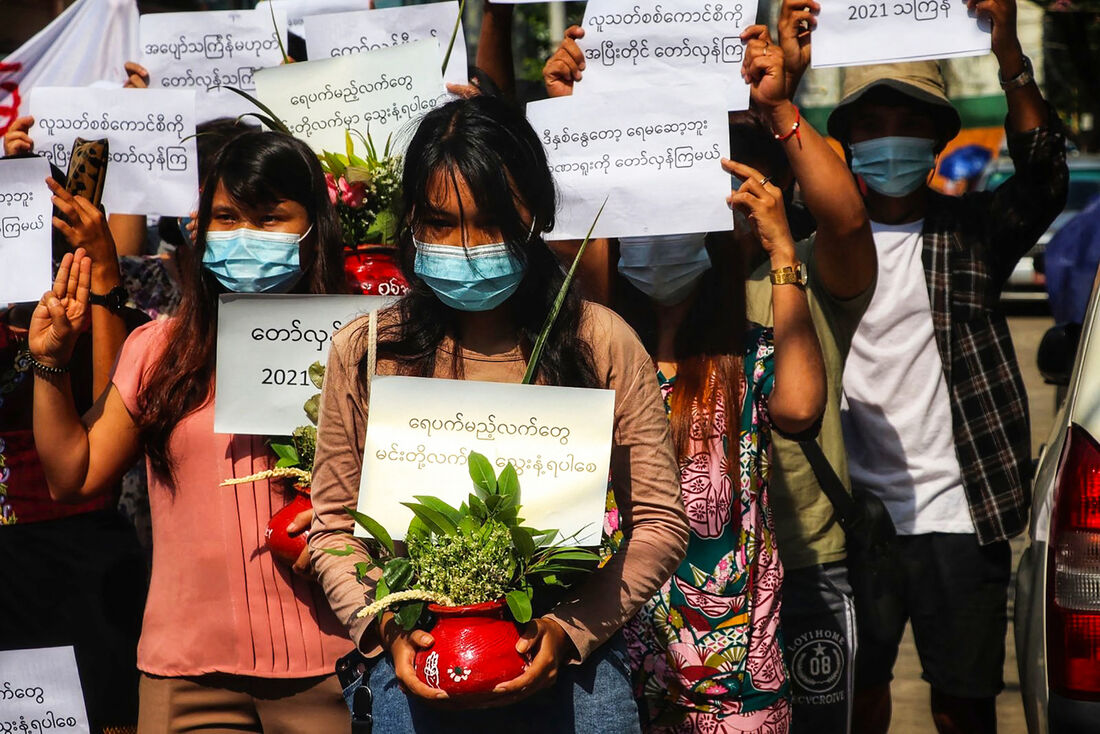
[1073, 580]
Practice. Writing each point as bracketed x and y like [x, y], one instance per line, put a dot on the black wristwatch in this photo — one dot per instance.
[115, 299]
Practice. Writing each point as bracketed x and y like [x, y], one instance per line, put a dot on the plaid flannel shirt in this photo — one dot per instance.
[971, 245]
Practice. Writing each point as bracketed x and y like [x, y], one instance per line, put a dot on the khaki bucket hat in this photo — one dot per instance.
[921, 80]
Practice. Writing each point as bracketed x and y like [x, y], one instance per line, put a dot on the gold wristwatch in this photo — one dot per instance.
[789, 274]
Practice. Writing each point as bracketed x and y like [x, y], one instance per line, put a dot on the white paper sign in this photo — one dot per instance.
[266, 344]
[41, 691]
[208, 51]
[26, 228]
[153, 167]
[382, 91]
[862, 32]
[297, 10]
[654, 44]
[420, 432]
[339, 34]
[655, 158]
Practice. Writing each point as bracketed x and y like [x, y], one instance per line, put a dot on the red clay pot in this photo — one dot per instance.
[474, 650]
[372, 270]
[284, 546]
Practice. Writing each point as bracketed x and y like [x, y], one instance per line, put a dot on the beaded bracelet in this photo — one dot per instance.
[794, 128]
[45, 369]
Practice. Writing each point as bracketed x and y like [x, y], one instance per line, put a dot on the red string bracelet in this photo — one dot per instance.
[794, 128]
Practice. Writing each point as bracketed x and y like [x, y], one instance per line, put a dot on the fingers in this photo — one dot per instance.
[743, 172]
[21, 124]
[16, 143]
[137, 77]
[65, 230]
[74, 279]
[574, 31]
[463, 91]
[300, 523]
[758, 32]
[303, 566]
[403, 656]
[61, 281]
[527, 640]
[570, 47]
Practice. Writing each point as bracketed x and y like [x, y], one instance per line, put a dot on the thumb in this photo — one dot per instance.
[421, 639]
[527, 639]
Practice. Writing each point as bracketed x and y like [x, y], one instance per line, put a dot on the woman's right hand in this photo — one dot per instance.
[402, 646]
[62, 313]
[17, 140]
[565, 66]
[137, 77]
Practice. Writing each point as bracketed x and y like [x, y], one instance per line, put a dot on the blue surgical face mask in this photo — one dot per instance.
[666, 267]
[254, 261]
[477, 278]
[894, 166]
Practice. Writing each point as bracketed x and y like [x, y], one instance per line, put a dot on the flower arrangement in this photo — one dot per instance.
[476, 553]
[364, 191]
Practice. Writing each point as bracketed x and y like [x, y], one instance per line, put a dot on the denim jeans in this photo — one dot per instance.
[592, 698]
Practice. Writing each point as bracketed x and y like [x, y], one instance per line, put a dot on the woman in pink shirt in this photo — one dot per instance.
[230, 638]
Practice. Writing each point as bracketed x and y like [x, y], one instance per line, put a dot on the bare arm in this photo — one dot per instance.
[494, 48]
[128, 231]
[1026, 108]
[80, 458]
[798, 398]
[843, 247]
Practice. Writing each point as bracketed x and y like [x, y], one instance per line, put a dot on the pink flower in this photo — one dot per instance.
[351, 193]
[330, 182]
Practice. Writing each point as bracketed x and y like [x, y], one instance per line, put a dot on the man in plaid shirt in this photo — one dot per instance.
[936, 420]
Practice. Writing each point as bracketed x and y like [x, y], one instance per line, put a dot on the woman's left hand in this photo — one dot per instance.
[547, 642]
[762, 202]
[301, 524]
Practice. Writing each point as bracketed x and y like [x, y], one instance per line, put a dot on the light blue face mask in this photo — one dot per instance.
[894, 166]
[477, 278]
[254, 261]
[665, 267]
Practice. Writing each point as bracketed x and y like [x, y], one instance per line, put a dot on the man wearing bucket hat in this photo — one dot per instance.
[936, 420]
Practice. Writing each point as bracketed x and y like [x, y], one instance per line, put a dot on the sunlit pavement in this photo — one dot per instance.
[910, 692]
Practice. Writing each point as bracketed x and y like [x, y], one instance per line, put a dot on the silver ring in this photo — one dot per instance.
[764, 181]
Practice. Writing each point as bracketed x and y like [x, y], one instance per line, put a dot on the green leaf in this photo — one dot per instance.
[317, 375]
[381, 590]
[398, 574]
[439, 506]
[271, 120]
[334, 164]
[478, 509]
[436, 521]
[347, 550]
[521, 538]
[469, 525]
[545, 537]
[508, 482]
[536, 351]
[349, 146]
[288, 455]
[417, 528]
[407, 615]
[278, 34]
[362, 569]
[573, 554]
[519, 603]
[481, 471]
[373, 527]
[312, 408]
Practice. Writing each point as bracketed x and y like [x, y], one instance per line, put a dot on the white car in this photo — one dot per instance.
[1057, 616]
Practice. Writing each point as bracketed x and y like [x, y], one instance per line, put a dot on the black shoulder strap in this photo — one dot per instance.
[843, 504]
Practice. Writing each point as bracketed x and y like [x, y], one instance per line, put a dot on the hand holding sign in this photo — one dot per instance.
[565, 67]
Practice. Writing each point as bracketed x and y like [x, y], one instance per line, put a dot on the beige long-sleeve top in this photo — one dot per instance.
[644, 475]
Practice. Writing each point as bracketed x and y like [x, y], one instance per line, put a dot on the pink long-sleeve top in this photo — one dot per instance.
[645, 478]
[218, 601]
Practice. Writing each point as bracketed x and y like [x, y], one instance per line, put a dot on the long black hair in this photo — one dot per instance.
[257, 169]
[488, 143]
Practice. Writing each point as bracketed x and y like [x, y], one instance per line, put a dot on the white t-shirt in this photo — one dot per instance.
[897, 411]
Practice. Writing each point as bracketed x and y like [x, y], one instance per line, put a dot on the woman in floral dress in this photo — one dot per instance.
[706, 651]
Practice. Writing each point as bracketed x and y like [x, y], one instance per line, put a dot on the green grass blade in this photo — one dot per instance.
[540, 343]
[278, 35]
[454, 35]
[272, 120]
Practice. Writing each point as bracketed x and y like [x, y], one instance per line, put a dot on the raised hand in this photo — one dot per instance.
[761, 202]
[83, 225]
[565, 67]
[17, 140]
[1002, 15]
[62, 313]
[797, 19]
[762, 68]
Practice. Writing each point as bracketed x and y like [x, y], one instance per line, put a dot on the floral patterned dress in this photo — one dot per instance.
[706, 650]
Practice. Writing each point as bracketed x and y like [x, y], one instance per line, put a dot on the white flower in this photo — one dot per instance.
[458, 673]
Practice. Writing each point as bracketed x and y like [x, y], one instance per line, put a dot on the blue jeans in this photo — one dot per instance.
[591, 698]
